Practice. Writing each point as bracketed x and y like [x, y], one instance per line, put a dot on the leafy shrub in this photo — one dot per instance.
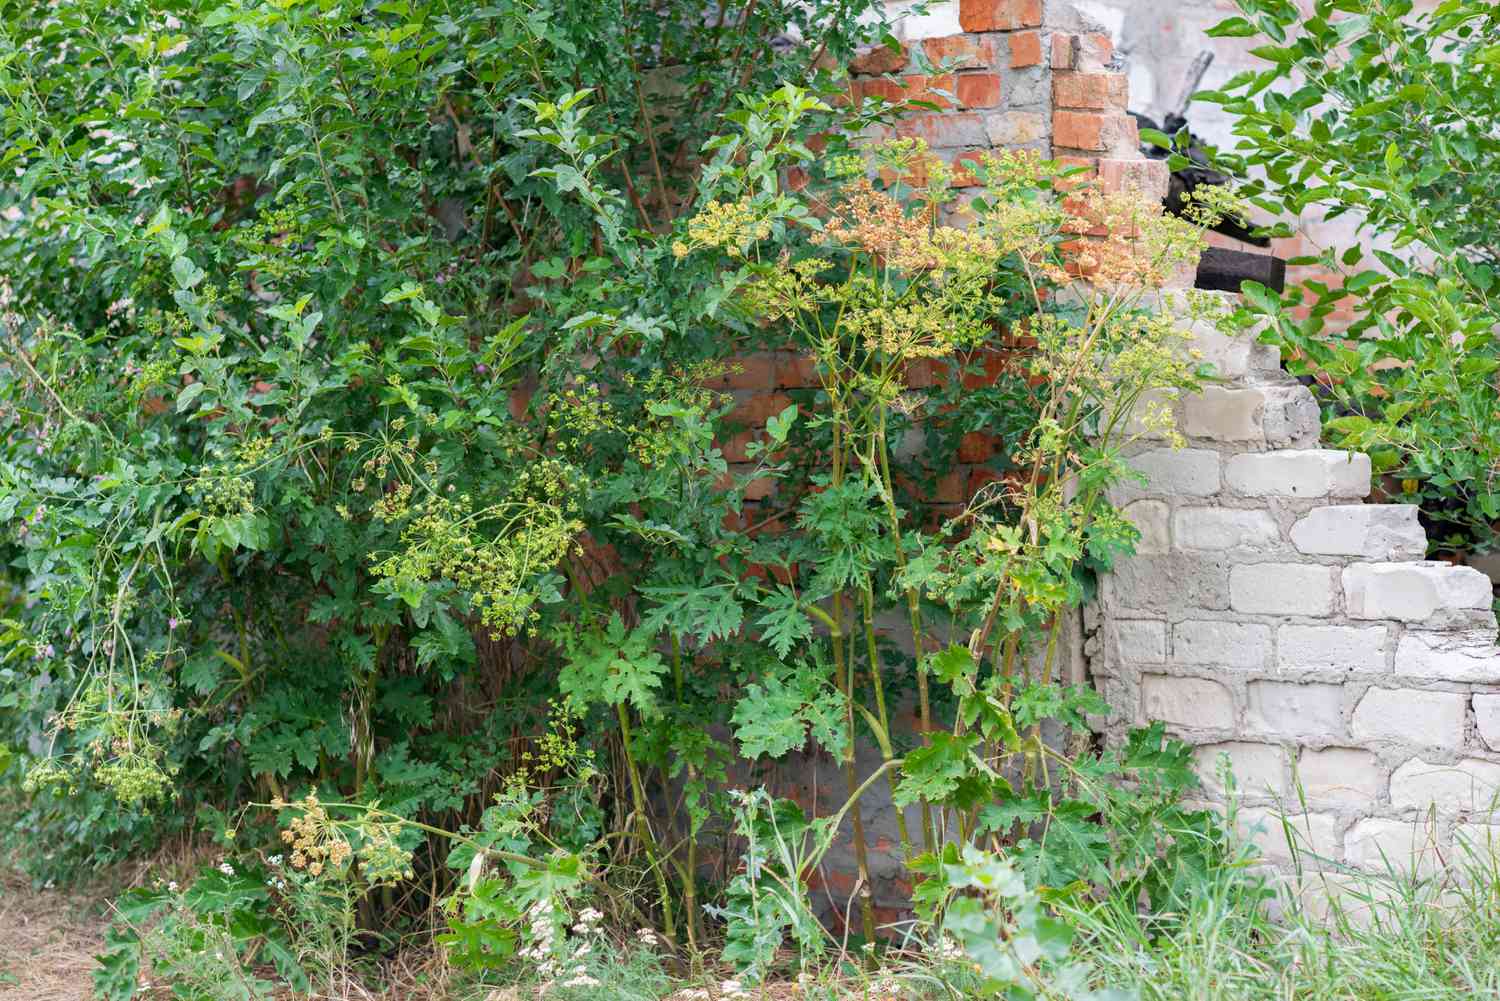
[365, 471]
[1371, 111]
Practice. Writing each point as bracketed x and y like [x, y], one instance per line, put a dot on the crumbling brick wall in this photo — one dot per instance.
[1272, 617]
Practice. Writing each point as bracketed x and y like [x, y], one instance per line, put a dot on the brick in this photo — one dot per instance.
[749, 372]
[1413, 592]
[1379, 845]
[1471, 785]
[1487, 714]
[978, 90]
[1191, 472]
[1373, 531]
[1187, 702]
[967, 51]
[1088, 130]
[755, 409]
[1150, 519]
[1258, 769]
[1339, 648]
[914, 87]
[1149, 178]
[1308, 712]
[1284, 839]
[796, 371]
[1094, 51]
[1025, 49]
[999, 15]
[1449, 656]
[1015, 128]
[1224, 414]
[1066, 50]
[1398, 715]
[736, 449]
[963, 129]
[1221, 644]
[1029, 87]
[976, 446]
[1219, 528]
[1091, 91]
[1340, 776]
[969, 169]
[1170, 583]
[1140, 641]
[1291, 418]
[1315, 472]
[880, 59]
[1281, 589]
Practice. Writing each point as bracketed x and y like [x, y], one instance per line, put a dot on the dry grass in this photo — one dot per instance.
[47, 941]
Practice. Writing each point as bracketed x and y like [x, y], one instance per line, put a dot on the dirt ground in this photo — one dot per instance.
[47, 942]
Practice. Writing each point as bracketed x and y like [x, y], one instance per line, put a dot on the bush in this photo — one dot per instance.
[1370, 111]
[369, 502]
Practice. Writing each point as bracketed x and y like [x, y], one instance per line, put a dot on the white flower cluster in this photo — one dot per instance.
[542, 949]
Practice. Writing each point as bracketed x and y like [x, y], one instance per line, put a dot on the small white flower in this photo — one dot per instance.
[226, 868]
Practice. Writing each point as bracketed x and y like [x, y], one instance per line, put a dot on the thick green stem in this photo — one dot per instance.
[914, 613]
[643, 829]
[845, 675]
[886, 751]
[688, 873]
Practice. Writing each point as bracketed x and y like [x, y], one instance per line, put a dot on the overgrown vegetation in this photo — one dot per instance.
[380, 518]
[1374, 112]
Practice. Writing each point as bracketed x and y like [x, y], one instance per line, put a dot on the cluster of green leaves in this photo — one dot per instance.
[357, 417]
[1383, 115]
[273, 273]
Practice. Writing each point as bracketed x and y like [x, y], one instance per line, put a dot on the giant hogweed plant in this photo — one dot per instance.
[866, 281]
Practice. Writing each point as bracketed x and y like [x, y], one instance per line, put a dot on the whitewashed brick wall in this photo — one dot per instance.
[1271, 617]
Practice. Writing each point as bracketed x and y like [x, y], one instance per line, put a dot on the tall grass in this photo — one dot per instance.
[1239, 933]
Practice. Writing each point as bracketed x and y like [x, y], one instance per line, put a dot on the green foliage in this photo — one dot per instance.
[1381, 115]
[364, 469]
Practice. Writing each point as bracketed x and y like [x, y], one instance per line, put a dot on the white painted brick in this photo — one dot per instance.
[1469, 786]
[1140, 641]
[1291, 418]
[1463, 656]
[1169, 583]
[1373, 531]
[1310, 833]
[1228, 354]
[1400, 715]
[1216, 528]
[1412, 592]
[1341, 648]
[1376, 845]
[1288, 709]
[1222, 414]
[1341, 776]
[1221, 644]
[1150, 519]
[1187, 702]
[1188, 472]
[1281, 589]
[1487, 712]
[1258, 769]
[1299, 473]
